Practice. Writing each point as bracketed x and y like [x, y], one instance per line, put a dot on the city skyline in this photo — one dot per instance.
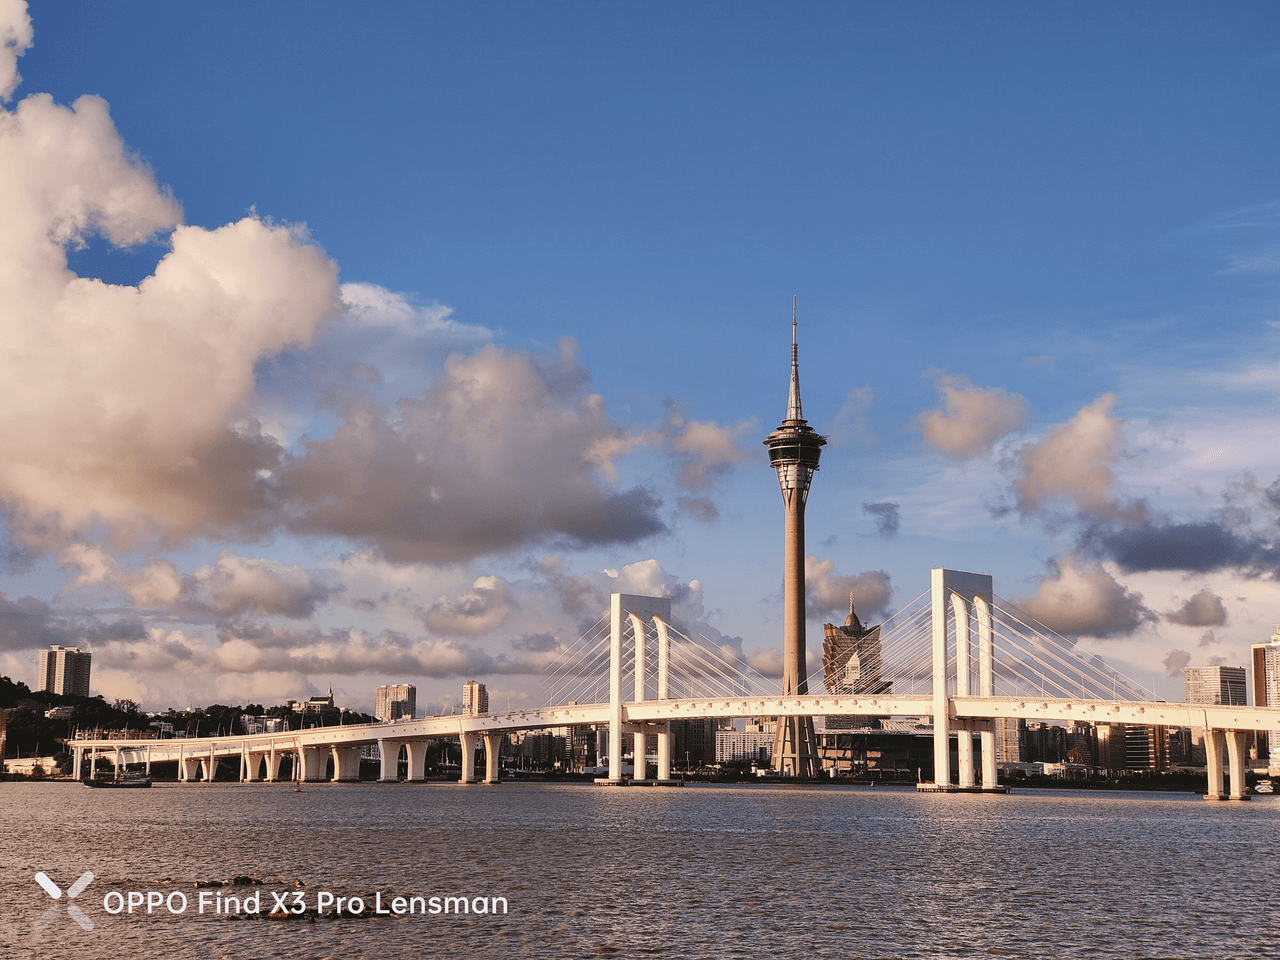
[1035, 256]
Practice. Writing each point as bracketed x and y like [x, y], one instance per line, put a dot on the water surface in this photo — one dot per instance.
[704, 871]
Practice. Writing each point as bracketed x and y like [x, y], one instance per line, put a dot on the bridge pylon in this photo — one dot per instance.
[637, 619]
[961, 602]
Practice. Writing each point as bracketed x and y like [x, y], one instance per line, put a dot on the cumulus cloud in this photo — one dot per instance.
[500, 453]
[1175, 661]
[1201, 609]
[232, 587]
[237, 585]
[125, 406]
[1086, 600]
[972, 418]
[1073, 461]
[485, 607]
[705, 449]
[887, 517]
[828, 592]
[15, 39]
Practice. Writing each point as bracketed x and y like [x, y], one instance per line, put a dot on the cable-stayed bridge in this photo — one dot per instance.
[957, 653]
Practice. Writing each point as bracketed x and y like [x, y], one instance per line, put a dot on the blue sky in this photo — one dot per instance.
[1036, 253]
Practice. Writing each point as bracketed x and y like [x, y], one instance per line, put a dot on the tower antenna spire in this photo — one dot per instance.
[793, 398]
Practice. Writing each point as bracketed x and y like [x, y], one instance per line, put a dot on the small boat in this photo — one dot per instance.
[1264, 786]
[134, 781]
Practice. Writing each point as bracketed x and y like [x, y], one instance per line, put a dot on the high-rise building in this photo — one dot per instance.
[1112, 753]
[1010, 739]
[794, 451]
[64, 671]
[475, 698]
[693, 741]
[1265, 659]
[1214, 685]
[396, 702]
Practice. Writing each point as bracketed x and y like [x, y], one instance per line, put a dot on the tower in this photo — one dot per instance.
[794, 449]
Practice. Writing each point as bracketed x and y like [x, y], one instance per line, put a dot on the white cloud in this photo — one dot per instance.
[828, 592]
[1201, 609]
[1086, 600]
[483, 609]
[973, 419]
[15, 40]
[1073, 461]
[124, 406]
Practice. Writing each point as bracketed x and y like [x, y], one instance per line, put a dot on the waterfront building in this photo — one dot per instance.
[1010, 739]
[397, 701]
[1082, 743]
[1265, 658]
[580, 747]
[1146, 747]
[1179, 740]
[1215, 685]
[64, 671]
[693, 741]
[744, 746]
[794, 451]
[475, 698]
[1045, 743]
[888, 749]
[1111, 746]
[1212, 685]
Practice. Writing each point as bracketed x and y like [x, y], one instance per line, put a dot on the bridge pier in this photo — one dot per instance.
[416, 752]
[314, 761]
[492, 749]
[255, 772]
[468, 757]
[1230, 746]
[389, 752]
[346, 764]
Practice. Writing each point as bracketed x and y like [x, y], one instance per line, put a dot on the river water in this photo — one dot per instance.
[703, 871]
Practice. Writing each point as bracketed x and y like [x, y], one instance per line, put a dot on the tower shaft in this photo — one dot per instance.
[794, 451]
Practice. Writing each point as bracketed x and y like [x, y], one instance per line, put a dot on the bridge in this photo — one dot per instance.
[957, 653]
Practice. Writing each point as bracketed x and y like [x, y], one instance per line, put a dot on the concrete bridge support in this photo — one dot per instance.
[259, 766]
[1225, 748]
[468, 758]
[389, 751]
[416, 751]
[492, 751]
[315, 761]
[346, 764]
[273, 763]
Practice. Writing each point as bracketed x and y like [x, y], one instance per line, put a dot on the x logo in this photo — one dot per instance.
[73, 891]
